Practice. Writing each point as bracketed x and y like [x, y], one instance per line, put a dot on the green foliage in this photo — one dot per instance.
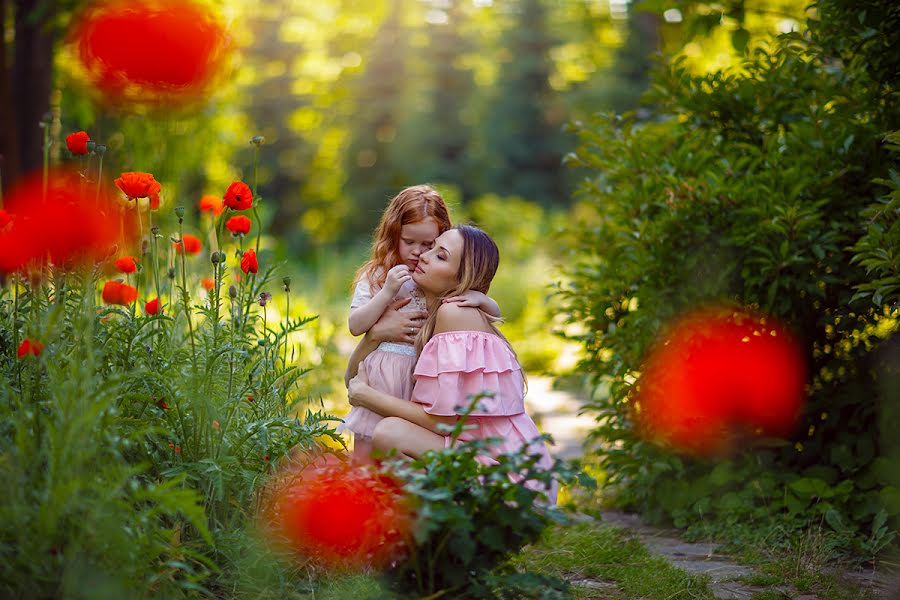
[472, 517]
[596, 551]
[763, 188]
[523, 136]
[133, 446]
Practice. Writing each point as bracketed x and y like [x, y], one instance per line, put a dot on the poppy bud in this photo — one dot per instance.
[100, 149]
[232, 291]
[46, 119]
[171, 273]
[217, 257]
[287, 283]
[258, 140]
[179, 212]
[90, 145]
[155, 230]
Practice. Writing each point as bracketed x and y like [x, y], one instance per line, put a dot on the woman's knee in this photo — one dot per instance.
[388, 432]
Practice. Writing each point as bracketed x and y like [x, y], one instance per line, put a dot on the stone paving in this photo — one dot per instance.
[556, 413]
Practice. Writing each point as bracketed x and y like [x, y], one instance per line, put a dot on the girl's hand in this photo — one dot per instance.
[396, 277]
[470, 298]
[357, 389]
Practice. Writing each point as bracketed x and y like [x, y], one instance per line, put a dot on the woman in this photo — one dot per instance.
[461, 354]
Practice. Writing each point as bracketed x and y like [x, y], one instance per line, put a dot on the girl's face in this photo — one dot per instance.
[416, 239]
[437, 270]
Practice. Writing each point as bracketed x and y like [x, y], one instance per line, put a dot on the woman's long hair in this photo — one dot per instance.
[411, 205]
[477, 266]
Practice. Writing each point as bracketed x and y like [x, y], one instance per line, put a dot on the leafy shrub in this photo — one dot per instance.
[472, 518]
[132, 447]
[762, 188]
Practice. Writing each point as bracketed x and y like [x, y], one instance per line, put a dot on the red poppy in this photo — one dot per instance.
[212, 204]
[208, 283]
[77, 143]
[116, 292]
[249, 264]
[716, 375]
[341, 515]
[238, 196]
[162, 404]
[29, 346]
[239, 224]
[215, 424]
[138, 185]
[69, 224]
[154, 201]
[192, 244]
[5, 218]
[126, 264]
[156, 52]
[152, 307]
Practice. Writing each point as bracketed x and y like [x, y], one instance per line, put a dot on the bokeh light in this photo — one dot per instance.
[71, 224]
[149, 52]
[718, 376]
[340, 515]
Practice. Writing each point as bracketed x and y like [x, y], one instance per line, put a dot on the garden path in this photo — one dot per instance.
[556, 413]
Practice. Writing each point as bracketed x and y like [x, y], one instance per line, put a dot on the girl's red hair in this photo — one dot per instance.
[411, 205]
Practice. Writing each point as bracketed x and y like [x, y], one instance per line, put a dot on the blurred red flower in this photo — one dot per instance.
[152, 307]
[249, 264]
[5, 219]
[162, 404]
[126, 264]
[192, 244]
[116, 292]
[77, 142]
[208, 283]
[238, 196]
[156, 52]
[29, 346]
[139, 185]
[717, 375]
[69, 224]
[341, 515]
[154, 201]
[212, 204]
[239, 224]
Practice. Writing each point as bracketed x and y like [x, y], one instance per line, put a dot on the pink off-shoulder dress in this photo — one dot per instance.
[457, 364]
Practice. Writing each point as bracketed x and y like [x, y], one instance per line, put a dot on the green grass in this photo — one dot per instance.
[598, 552]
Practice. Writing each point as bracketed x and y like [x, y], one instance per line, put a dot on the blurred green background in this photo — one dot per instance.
[359, 99]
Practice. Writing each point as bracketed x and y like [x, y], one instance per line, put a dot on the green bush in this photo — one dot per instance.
[472, 518]
[763, 187]
[132, 447]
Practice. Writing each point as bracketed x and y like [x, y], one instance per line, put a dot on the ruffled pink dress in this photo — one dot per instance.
[389, 367]
[457, 364]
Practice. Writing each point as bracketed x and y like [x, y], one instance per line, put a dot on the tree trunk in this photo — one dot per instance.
[26, 94]
[9, 152]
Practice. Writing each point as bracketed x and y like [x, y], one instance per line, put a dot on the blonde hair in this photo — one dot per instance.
[411, 205]
[478, 263]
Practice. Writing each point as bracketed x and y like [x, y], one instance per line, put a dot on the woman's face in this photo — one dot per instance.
[437, 269]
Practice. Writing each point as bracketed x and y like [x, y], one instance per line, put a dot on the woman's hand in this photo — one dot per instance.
[357, 389]
[396, 326]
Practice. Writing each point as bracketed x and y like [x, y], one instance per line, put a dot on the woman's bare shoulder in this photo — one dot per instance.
[453, 317]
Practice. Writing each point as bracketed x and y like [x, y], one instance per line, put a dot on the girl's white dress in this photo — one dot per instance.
[389, 368]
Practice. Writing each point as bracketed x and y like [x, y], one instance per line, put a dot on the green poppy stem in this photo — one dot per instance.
[184, 291]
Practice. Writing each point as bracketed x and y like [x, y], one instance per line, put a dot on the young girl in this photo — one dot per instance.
[408, 227]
